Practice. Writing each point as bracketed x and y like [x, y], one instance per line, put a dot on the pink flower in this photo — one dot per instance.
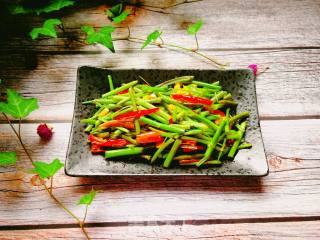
[45, 131]
[254, 68]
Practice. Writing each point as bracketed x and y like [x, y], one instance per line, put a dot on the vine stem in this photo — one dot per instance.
[195, 36]
[179, 47]
[43, 184]
[85, 214]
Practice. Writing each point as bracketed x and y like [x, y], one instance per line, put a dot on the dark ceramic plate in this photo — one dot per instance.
[91, 83]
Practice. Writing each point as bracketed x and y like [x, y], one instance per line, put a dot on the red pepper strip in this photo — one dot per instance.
[96, 149]
[124, 91]
[149, 137]
[107, 143]
[189, 161]
[118, 123]
[191, 99]
[189, 142]
[158, 144]
[136, 114]
[230, 142]
[95, 139]
[171, 120]
[217, 112]
[190, 148]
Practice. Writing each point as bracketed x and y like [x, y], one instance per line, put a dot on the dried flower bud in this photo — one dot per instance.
[254, 68]
[45, 131]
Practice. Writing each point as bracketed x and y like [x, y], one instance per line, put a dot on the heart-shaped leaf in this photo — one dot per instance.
[17, 106]
[47, 170]
[103, 36]
[48, 29]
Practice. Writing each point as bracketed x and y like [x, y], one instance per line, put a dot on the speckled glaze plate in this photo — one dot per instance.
[92, 82]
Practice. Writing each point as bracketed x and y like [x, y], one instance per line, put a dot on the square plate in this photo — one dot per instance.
[92, 83]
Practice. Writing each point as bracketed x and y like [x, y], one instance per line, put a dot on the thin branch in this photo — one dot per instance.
[17, 134]
[263, 71]
[173, 5]
[51, 183]
[85, 215]
[162, 42]
[144, 80]
[195, 36]
[19, 128]
[44, 185]
[182, 48]
[129, 32]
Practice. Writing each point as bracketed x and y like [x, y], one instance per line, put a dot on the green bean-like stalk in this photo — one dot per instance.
[123, 152]
[212, 144]
[236, 144]
[120, 89]
[162, 126]
[172, 152]
[162, 147]
[239, 116]
[111, 87]
[134, 106]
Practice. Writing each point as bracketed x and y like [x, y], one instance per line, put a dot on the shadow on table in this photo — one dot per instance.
[176, 183]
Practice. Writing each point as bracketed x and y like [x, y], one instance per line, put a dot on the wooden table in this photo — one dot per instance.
[282, 35]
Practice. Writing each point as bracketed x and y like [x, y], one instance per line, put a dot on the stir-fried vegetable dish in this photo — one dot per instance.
[182, 121]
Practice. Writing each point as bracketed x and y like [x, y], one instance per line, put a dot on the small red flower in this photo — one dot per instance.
[254, 68]
[45, 131]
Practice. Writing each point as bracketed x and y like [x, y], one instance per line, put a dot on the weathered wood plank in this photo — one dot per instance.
[228, 24]
[290, 88]
[291, 189]
[244, 231]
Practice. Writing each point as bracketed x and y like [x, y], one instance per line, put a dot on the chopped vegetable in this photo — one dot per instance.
[181, 121]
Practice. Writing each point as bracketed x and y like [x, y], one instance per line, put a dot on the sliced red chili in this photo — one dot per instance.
[96, 149]
[184, 161]
[158, 144]
[189, 142]
[190, 148]
[217, 112]
[124, 91]
[107, 143]
[118, 123]
[94, 139]
[149, 137]
[230, 142]
[136, 114]
[191, 99]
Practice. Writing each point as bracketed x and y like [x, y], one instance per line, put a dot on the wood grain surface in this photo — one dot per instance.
[291, 189]
[245, 231]
[281, 35]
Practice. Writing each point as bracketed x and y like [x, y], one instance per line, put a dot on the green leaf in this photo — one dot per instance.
[47, 170]
[8, 158]
[17, 106]
[194, 28]
[121, 17]
[103, 36]
[114, 11]
[151, 38]
[48, 29]
[55, 5]
[88, 198]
